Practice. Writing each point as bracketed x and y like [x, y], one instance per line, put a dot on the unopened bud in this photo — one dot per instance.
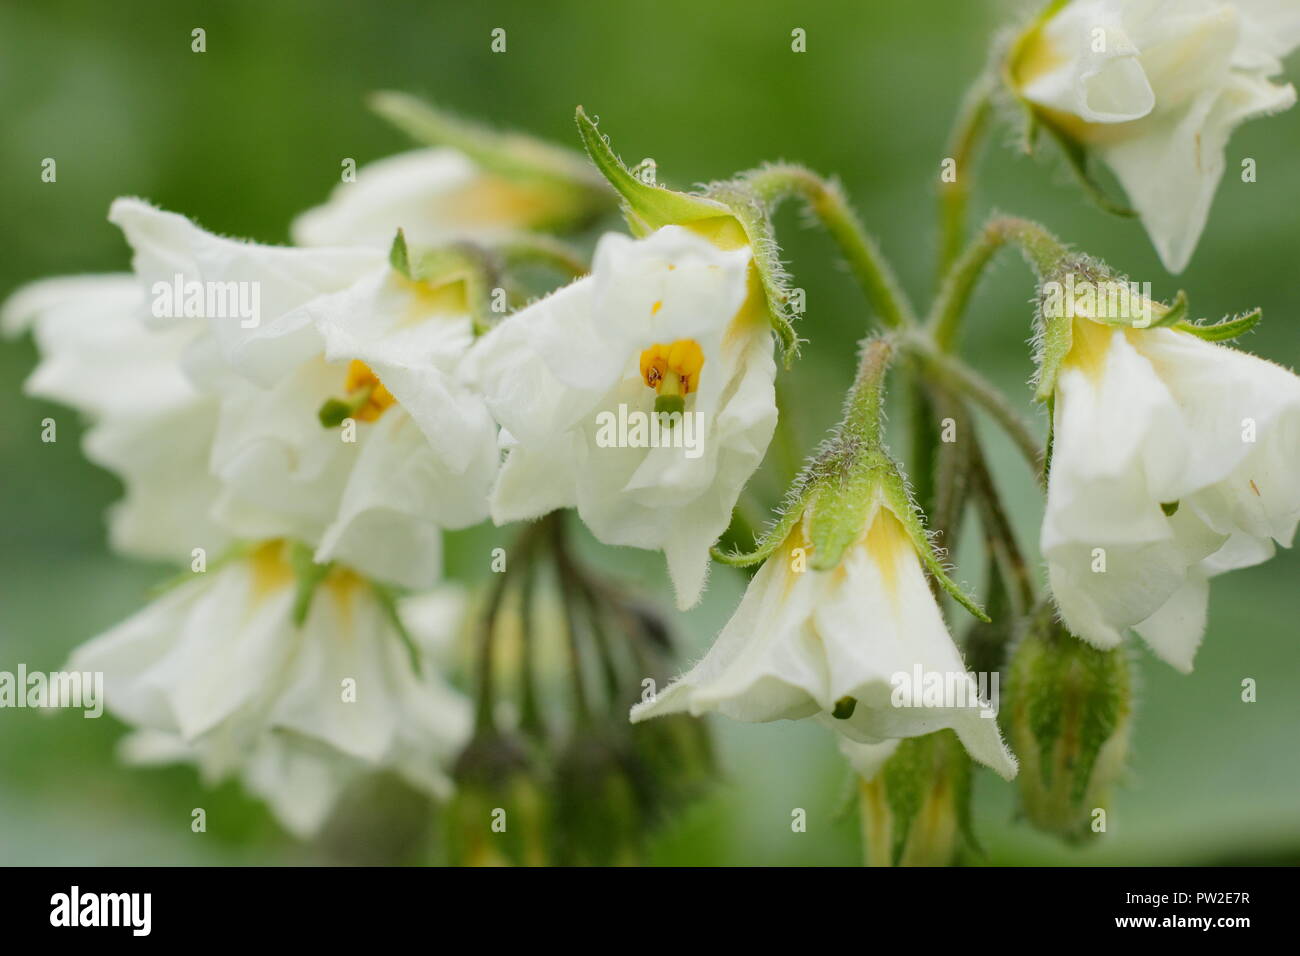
[1069, 708]
[497, 815]
[914, 796]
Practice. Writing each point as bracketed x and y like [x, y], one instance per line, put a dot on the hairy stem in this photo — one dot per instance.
[958, 377]
[826, 200]
[1042, 250]
[963, 144]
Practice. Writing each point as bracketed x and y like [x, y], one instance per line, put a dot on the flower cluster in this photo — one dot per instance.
[298, 428]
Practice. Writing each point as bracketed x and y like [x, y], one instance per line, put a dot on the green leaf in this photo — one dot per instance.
[1223, 331]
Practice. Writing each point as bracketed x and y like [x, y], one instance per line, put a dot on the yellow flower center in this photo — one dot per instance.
[362, 380]
[673, 369]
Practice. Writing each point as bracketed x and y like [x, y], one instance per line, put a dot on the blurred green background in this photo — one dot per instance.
[248, 133]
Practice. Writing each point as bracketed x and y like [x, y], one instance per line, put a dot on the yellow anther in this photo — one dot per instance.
[360, 376]
[675, 367]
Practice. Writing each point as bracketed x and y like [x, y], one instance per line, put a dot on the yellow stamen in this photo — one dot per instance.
[360, 376]
[673, 369]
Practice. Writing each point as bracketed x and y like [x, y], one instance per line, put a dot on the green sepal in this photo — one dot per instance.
[399, 257]
[1076, 157]
[901, 504]
[754, 219]
[792, 511]
[1056, 333]
[1056, 338]
[1225, 330]
[847, 496]
[645, 207]
[723, 209]
[309, 575]
[462, 262]
[848, 491]
[512, 155]
[1173, 314]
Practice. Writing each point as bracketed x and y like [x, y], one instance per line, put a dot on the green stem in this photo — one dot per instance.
[963, 144]
[1001, 536]
[864, 409]
[953, 374]
[582, 709]
[1042, 250]
[528, 249]
[952, 482]
[826, 200]
[484, 714]
[530, 711]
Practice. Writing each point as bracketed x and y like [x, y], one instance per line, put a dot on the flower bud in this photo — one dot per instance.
[915, 798]
[1069, 713]
[600, 802]
[497, 816]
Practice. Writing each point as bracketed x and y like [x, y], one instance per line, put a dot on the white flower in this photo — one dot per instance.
[333, 324]
[1155, 88]
[216, 671]
[808, 643]
[300, 780]
[1174, 459]
[148, 423]
[433, 195]
[668, 321]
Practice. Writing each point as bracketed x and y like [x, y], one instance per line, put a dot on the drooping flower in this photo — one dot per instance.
[1173, 459]
[474, 182]
[218, 672]
[664, 324]
[837, 644]
[643, 394]
[433, 195]
[148, 423]
[1154, 88]
[840, 623]
[340, 335]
